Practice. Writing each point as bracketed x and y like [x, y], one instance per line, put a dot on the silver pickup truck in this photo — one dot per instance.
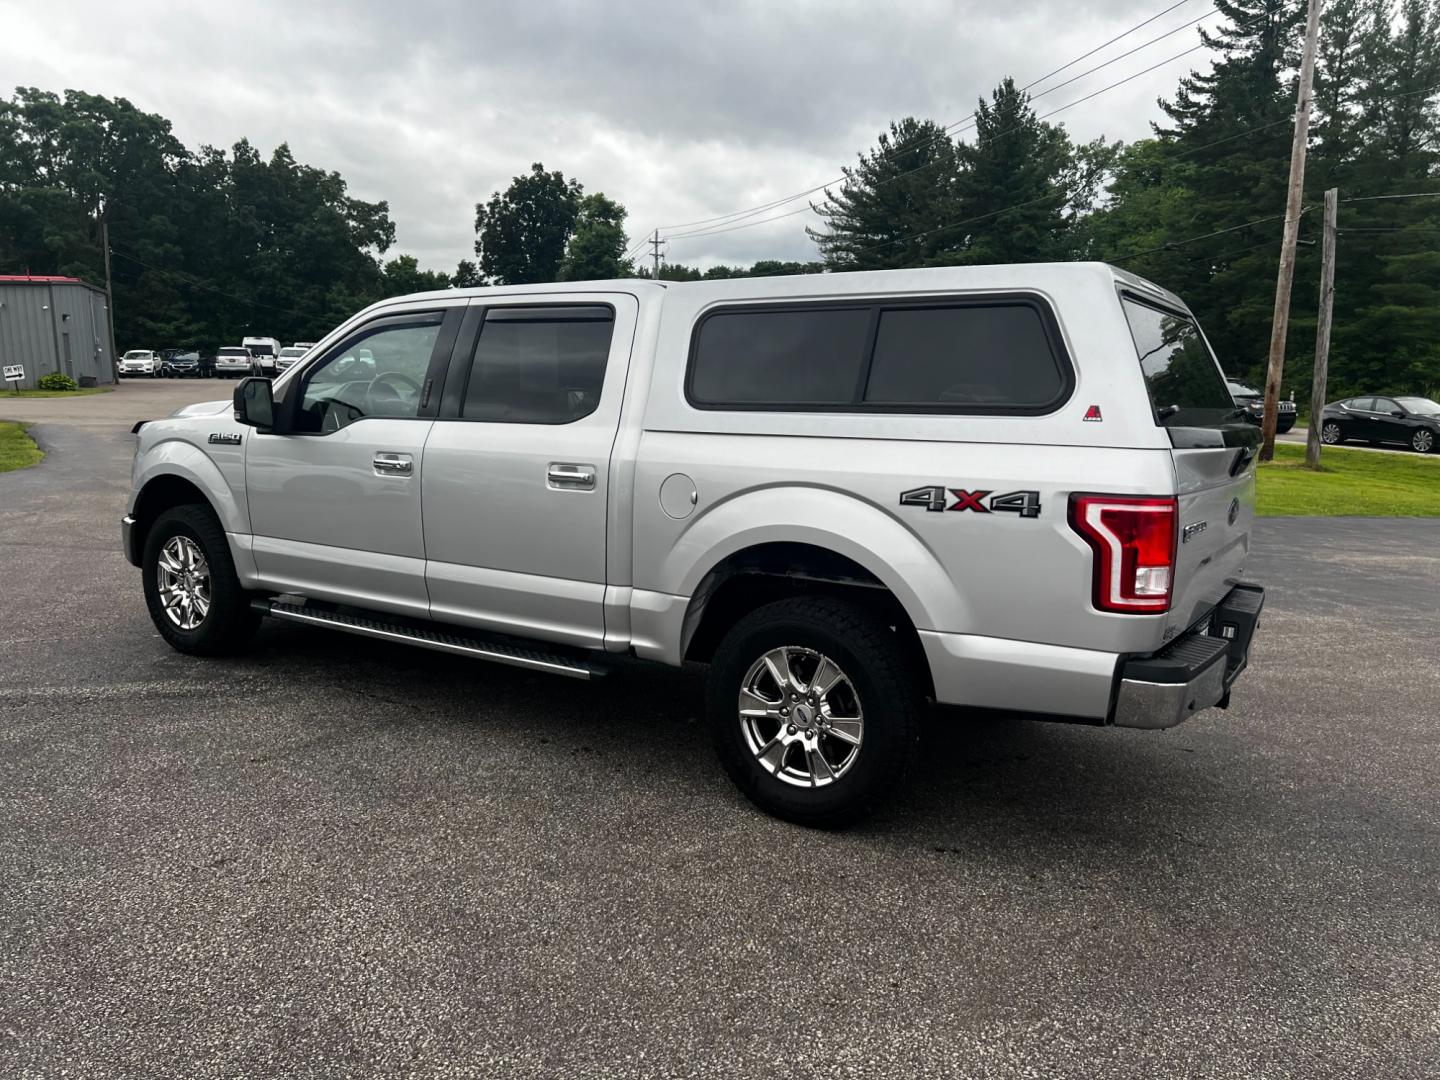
[1023, 488]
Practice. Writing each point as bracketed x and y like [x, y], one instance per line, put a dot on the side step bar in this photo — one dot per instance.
[516, 654]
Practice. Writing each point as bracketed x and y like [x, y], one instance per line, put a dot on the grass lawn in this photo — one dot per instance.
[55, 393]
[1350, 482]
[17, 449]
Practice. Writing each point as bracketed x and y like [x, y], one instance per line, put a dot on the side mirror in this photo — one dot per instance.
[255, 404]
[1398, 412]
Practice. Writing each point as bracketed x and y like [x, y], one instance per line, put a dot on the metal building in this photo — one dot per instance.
[55, 324]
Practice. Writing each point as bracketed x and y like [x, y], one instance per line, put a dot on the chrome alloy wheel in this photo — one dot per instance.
[182, 577]
[1330, 433]
[801, 716]
[1423, 441]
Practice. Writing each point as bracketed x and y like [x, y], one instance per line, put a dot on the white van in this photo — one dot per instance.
[265, 350]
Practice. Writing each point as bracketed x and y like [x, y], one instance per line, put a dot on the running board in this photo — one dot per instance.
[477, 648]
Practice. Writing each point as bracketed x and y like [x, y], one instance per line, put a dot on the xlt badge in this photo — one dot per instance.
[1192, 530]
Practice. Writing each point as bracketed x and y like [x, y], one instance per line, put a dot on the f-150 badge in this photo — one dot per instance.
[230, 438]
[938, 499]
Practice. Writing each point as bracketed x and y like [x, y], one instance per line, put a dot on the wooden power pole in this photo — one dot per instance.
[109, 292]
[1283, 280]
[1322, 329]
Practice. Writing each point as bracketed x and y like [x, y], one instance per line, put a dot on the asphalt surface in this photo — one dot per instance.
[337, 858]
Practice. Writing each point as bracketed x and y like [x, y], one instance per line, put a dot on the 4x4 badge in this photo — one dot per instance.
[936, 498]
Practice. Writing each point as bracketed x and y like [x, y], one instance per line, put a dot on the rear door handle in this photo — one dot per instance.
[394, 464]
[566, 477]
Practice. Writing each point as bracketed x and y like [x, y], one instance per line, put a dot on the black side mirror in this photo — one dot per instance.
[1398, 412]
[255, 404]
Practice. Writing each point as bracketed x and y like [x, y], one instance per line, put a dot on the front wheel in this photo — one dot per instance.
[1330, 433]
[1423, 441]
[194, 595]
[814, 709]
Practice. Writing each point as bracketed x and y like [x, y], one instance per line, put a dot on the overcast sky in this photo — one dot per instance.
[680, 110]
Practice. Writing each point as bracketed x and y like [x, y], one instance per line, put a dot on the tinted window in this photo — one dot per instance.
[377, 373]
[1385, 405]
[1184, 383]
[784, 357]
[972, 355]
[539, 365]
[1361, 404]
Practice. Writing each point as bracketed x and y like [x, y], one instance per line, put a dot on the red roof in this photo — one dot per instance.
[53, 279]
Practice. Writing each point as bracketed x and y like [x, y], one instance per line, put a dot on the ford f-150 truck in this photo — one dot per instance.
[1023, 488]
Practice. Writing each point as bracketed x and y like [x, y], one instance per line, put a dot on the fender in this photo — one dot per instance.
[223, 483]
[829, 519]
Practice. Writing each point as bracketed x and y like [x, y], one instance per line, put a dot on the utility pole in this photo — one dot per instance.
[1322, 330]
[655, 244]
[109, 293]
[1286, 276]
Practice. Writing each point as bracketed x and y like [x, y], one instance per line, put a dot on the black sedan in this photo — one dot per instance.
[179, 365]
[1253, 402]
[1414, 421]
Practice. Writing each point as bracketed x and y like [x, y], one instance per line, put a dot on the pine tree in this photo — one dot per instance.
[882, 215]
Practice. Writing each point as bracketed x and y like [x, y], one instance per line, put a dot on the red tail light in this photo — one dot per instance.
[1134, 544]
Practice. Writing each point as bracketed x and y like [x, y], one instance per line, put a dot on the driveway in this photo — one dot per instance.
[333, 857]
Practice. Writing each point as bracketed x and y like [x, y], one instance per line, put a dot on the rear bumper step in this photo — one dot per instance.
[499, 650]
[1193, 672]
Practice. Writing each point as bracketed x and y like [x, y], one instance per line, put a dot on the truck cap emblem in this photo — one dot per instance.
[1092, 414]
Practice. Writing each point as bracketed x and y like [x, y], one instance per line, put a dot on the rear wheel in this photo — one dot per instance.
[1423, 441]
[1330, 433]
[814, 708]
[191, 588]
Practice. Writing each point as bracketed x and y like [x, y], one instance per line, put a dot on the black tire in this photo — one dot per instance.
[880, 670]
[229, 624]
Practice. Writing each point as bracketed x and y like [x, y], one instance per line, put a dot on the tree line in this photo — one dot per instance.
[211, 244]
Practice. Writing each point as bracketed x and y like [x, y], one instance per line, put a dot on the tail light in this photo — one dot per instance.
[1134, 544]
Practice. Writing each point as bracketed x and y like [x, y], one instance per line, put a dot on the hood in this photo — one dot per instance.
[205, 408]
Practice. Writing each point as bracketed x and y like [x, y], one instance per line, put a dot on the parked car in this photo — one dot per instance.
[180, 365]
[1014, 487]
[1252, 400]
[265, 350]
[235, 361]
[288, 355]
[139, 362]
[1413, 421]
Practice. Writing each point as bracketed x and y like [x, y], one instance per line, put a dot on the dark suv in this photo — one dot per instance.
[180, 364]
[1414, 421]
[1253, 402]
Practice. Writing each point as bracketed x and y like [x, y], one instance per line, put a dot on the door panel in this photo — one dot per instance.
[515, 508]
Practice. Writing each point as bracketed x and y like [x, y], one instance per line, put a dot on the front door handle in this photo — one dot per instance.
[394, 464]
[565, 477]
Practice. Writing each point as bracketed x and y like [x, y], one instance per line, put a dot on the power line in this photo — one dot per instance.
[208, 288]
[736, 215]
[1172, 244]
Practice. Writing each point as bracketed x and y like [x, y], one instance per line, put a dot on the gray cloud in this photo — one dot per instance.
[680, 111]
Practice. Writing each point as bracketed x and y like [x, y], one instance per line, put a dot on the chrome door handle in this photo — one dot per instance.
[571, 477]
[395, 464]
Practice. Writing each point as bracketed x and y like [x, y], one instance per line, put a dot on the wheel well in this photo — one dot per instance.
[160, 495]
[759, 575]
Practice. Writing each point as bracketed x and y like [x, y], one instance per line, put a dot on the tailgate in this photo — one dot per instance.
[1216, 489]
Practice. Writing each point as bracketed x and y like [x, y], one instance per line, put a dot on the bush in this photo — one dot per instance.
[57, 381]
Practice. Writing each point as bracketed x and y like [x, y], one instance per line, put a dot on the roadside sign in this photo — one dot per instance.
[14, 373]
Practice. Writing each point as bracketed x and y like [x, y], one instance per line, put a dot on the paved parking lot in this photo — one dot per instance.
[337, 858]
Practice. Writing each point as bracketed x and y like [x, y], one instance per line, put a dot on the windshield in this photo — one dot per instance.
[292, 351]
[1423, 406]
[1185, 385]
[137, 354]
[1239, 389]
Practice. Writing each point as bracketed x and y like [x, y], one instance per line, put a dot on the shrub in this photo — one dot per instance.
[57, 381]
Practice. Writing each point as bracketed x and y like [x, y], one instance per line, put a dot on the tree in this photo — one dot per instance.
[402, 275]
[886, 211]
[597, 248]
[467, 276]
[522, 232]
[1013, 185]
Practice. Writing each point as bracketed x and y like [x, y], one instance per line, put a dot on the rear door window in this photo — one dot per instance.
[1185, 385]
[539, 365]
